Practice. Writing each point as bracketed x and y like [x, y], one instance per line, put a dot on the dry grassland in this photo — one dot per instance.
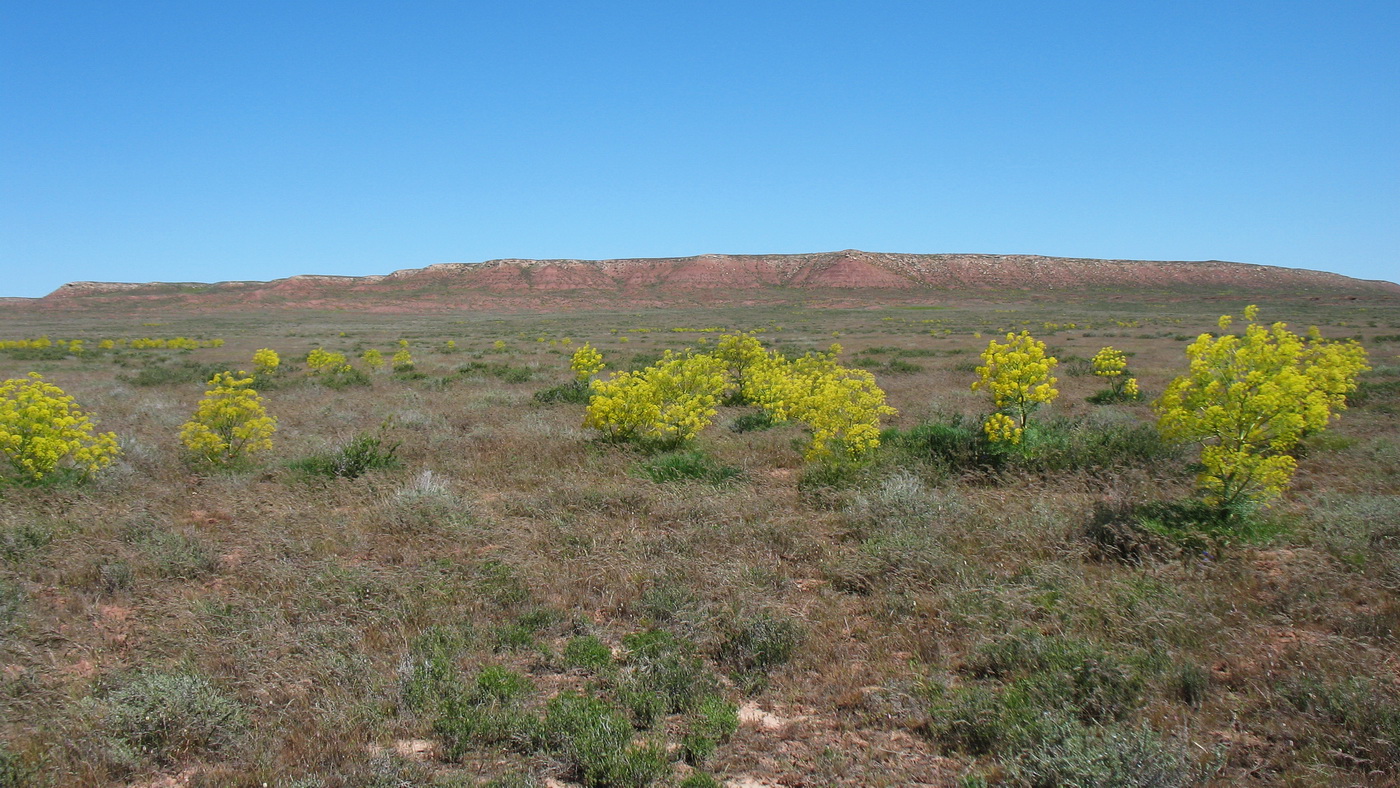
[910, 623]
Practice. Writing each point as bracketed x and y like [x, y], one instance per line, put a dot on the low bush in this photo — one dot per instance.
[714, 721]
[687, 466]
[168, 716]
[595, 744]
[353, 459]
[587, 652]
[178, 373]
[575, 392]
[754, 646]
[490, 711]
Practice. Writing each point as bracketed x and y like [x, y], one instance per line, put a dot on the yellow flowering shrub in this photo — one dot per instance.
[841, 406]
[373, 359]
[402, 359]
[740, 353]
[1111, 364]
[1248, 400]
[230, 422]
[586, 362]
[266, 361]
[1017, 375]
[666, 403]
[43, 429]
[320, 360]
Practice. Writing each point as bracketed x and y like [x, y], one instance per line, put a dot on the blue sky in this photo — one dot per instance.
[193, 141]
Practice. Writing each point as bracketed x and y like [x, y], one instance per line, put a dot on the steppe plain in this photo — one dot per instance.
[903, 623]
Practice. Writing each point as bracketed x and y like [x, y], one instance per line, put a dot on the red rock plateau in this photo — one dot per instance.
[846, 278]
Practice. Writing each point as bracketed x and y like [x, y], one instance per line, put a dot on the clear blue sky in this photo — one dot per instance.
[252, 140]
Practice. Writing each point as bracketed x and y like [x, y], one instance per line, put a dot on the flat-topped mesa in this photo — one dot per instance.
[717, 278]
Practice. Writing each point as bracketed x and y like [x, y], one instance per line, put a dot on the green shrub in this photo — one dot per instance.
[664, 675]
[575, 392]
[714, 721]
[178, 555]
[595, 744]
[700, 780]
[14, 773]
[755, 421]
[754, 646]
[178, 373]
[687, 466]
[11, 605]
[345, 377]
[488, 712]
[1104, 757]
[171, 715]
[429, 673]
[1062, 672]
[29, 536]
[587, 651]
[358, 456]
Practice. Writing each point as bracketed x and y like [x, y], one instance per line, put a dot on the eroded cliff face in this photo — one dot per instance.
[713, 279]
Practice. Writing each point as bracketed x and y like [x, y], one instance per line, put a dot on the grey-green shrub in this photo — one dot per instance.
[169, 715]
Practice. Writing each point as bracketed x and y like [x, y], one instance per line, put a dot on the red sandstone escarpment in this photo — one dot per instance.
[714, 278]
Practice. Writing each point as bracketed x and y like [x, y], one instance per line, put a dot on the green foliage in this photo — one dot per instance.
[176, 373]
[664, 676]
[358, 456]
[344, 377]
[755, 421]
[1113, 756]
[700, 780]
[170, 716]
[588, 652]
[14, 772]
[756, 645]
[29, 536]
[1248, 400]
[488, 712]
[595, 744]
[714, 721]
[573, 393]
[429, 674]
[179, 556]
[687, 466]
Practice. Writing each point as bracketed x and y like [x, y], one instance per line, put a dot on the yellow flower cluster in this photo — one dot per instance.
[841, 406]
[402, 359]
[1017, 375]
[1112, 364]
[41, 427]
[75, 346]
[673, 400]
[320, 360]
[174, 343]
[1001, 428]
[266, 361]
[1248, 400]
[586, 362]
[668, 402]
[373, 359]
[229, 422]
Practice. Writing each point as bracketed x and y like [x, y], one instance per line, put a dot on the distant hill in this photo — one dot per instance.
[844, 277]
